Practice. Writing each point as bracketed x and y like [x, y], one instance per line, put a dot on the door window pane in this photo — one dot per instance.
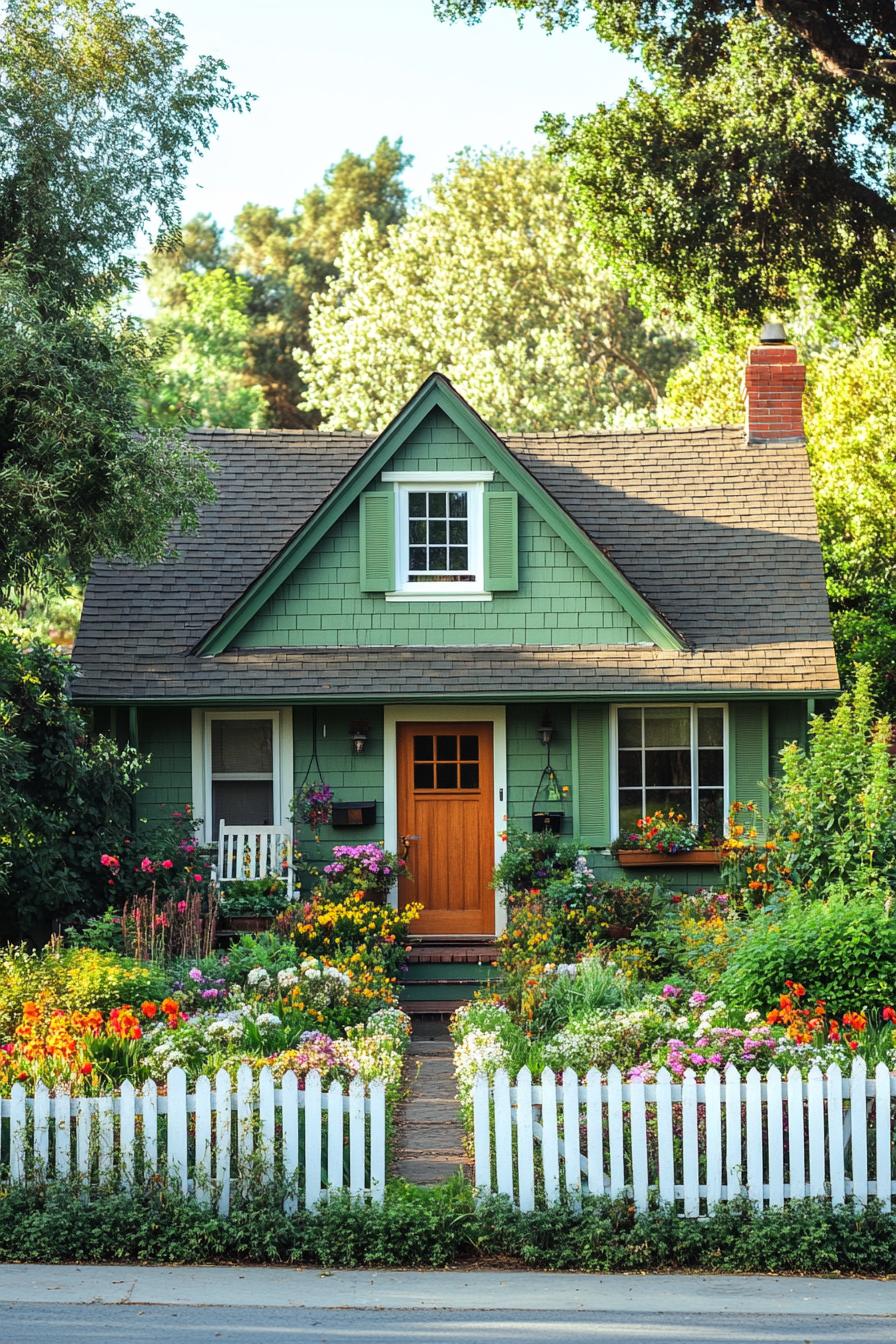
[469, 775]
[423, 775]
[423, 748]
[469, 747]
[446, 775]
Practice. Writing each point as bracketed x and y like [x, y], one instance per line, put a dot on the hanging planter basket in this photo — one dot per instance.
[544, 820]
[313, 803]
[548, 811]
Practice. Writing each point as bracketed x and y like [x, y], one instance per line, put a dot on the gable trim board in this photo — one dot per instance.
[436, 393]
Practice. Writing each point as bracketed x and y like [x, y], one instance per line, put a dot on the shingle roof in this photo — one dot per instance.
[718, 534]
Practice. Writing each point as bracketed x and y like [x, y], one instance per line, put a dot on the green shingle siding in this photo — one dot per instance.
[353, 778]
[164, 734]
[558, 601]
[526, 758]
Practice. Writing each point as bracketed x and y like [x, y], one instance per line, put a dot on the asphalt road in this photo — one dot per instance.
[76, 1324]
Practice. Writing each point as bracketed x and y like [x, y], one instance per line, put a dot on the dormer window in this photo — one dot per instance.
[439, 551]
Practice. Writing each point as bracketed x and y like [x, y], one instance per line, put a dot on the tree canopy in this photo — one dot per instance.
[99, 116]
[754, 165]
[284, 259]
[492, 283]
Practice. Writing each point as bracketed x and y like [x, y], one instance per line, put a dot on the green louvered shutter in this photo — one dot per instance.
[377, 542]
[787, 721]
[749, 751]
[501, 542]
[591, 772]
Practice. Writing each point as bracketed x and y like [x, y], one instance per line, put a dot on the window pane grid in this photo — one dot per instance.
[438, 535]
[671, 757]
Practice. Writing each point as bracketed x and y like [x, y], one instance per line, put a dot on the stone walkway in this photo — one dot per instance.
[430, 1146]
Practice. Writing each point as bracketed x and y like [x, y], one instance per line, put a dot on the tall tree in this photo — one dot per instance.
[286, 259]
[99, 117]
[492, 283]
[754, 166]
[850, 411]
[199, 377]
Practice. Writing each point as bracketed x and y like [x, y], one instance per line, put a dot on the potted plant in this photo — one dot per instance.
[251, 906]
[548, 809]
[666, 838]
[313, 804]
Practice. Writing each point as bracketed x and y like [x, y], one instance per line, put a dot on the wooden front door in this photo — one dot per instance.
[445, 800]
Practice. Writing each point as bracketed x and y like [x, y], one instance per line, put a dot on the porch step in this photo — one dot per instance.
[441, 972]
[477, 951]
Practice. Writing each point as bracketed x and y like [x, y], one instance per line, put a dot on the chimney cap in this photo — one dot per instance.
[772, 334]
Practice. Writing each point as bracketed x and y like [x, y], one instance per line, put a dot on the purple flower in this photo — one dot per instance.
[210, 993]
[697, 1059]
[671, 992]
[195, 974]
[715, 1059]
[697, 999]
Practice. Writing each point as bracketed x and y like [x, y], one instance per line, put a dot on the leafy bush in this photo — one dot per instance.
[842, 949]
[62, 794]
[356, 929]
[532, 860]
[74, 979]
[262, 897]
[438, 1226]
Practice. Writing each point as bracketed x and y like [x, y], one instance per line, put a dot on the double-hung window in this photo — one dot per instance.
[671, 756]
[242, 769]
[439, 534]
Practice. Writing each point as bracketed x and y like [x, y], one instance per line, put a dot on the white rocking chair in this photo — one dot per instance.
[246, 853]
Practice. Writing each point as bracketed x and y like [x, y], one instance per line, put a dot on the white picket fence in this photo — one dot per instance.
[694, 1143]
[206, 1141]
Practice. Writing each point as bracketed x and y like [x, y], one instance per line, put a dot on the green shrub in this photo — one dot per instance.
[260, 897]
[842, 949]
[441, 1225]
[533, 860]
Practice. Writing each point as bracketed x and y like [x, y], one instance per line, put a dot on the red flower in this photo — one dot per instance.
[889, 1014]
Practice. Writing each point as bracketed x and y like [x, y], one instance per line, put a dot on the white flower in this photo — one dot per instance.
[258, 976]
[314, 973]
[287, 978]
[751, 1016]
[268, 1020]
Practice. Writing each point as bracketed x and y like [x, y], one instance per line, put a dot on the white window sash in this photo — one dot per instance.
[474, 588]
[695, 759]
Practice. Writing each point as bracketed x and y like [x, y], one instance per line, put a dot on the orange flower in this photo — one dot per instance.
[148, 1009]
[170, 1007]
[86, 1068]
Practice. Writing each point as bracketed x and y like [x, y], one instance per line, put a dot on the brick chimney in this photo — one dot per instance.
[773, 388]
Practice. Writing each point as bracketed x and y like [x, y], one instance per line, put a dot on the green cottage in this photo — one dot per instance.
[427, 619]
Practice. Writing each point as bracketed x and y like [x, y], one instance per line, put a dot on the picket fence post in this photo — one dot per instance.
[550, 1154]
[614, 1127]
[62, 1135]
[223, 1134]
[150, 1129]
[733, 1140]
[638, 1121]
[883, 1159]
[377, 1091]
[755, 1154]
[17, 1135]
[356, 1145]
[816, 1131]
[503, 1134]
[312, 1138]
[594, 1133]
[266, 1125]
[689, 1156]
[858, 1143]
[796, 1137]
[712, 1089]
[202, 1183]
[835, 1135]
[335, 1137]
[41, 1119]
[775, 1131]
[177, 1129]
[289, 1091]
[127, 1132]
[525, 1147]
[571, 1142]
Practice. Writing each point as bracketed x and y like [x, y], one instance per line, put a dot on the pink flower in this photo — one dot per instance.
[109, 861]
[697, 999]
[671, 992]
[197, 877]
[181, 907]
[167, 863]
[146, 865]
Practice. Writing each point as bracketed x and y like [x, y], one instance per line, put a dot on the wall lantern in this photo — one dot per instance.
[359, 733]
[546, 731]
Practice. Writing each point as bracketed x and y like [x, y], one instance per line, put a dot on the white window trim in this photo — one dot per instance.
[422, 477]
[281, 777]
[693, 706]
[494, 714]
[474, 483]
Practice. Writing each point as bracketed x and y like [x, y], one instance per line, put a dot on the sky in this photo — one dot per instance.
[331, 75]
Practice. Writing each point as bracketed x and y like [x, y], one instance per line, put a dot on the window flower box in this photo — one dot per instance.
[548, 821]
[692, 858]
